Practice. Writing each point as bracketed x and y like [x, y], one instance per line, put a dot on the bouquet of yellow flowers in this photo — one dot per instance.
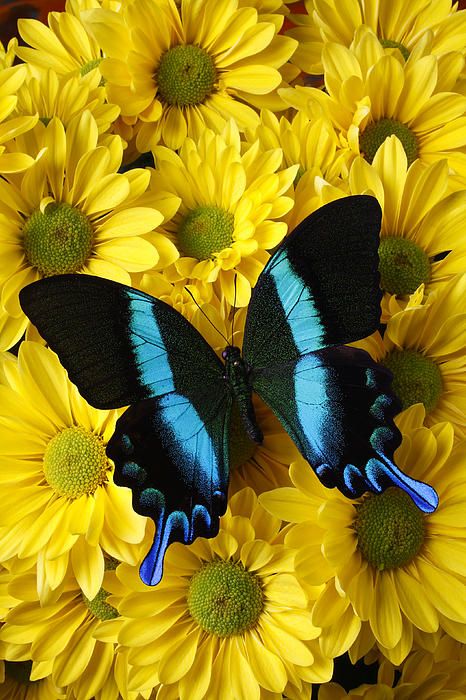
[155, 155]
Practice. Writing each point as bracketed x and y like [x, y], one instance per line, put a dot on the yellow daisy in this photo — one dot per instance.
[180, 70]
[436, 26]
[60, 506]
[371, 95]
[422, 239]
[311, 143]
[230, 614]
[424, 347]
[71, 640]
[65, 45]
[229, 203]
[72, 212]
[11, 79]
[51, 95]
[380, 559]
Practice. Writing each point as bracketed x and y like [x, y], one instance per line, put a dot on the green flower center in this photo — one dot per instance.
[389, 44]
[185, 76]
[90, 65]
[242, 447]
[375, 134]
[205, 231]
[225, 599]
[59, 240]
[390, 528]
[75, 463]
[19, 671]
[416, 378]
[99, 606]
[403, 265]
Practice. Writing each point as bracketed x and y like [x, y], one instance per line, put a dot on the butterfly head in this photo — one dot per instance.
[232, 356]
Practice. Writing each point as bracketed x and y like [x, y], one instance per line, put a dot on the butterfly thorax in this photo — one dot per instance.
[237, 374]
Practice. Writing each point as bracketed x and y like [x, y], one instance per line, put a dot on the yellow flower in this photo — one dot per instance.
[435, 26]
[312, 144]
[11, 79]
[229, 616]
[7, 56]
[72, 212]
[51, 95]
[65, 45]
[229, 202]
[387, 568]
[422, 239]
[180, 70]
[424, 347]
[371, 95]
[70, 640]
[60, 506]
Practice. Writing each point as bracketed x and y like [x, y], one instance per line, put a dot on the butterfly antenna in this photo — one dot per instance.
[204, 314]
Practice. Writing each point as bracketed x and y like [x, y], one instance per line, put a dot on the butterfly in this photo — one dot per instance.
[318, 291]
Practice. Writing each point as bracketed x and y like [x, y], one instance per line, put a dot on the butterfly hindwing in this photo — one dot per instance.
[337, 405]
[176, 464]
[118, 344]
[321, 287]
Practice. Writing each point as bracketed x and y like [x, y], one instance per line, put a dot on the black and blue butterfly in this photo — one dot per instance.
[319, 290]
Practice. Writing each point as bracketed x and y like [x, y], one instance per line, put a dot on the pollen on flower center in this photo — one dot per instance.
[390, 528]
[185, 76]
[375, 134]
[205, 231]
[225, 599]
[75, 462]
[389, 44]
[403, 265]
[416, 378]
[99, 606]
[59, 240]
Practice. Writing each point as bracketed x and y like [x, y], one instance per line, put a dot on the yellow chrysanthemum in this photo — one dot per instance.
[64, 45]
[70, 640]
[312, 144]
[11, 79]
[180, 70]
[229, 616]
[60, 506]
[72, 212]
[435, 26]
[424, 347]
[229, 200]
[47, 94]
[381, 559]
[371, 95]
[422, 235]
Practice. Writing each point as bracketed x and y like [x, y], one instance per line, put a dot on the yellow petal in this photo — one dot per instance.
[267, 667]
[385, 621]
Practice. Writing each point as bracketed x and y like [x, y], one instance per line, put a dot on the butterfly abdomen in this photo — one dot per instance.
[237, 376]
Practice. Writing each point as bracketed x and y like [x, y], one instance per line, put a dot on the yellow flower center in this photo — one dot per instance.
[205, 231]
[242, 448]
[403, 265]
[99, 606]
[75, 463]
[375, 134]
[416, 378]
[390, 528]
[225, 599]
[185, 76]
[59, 240]
[389, 44]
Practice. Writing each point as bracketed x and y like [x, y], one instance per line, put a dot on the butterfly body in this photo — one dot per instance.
[238, 376]
[318, 292]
